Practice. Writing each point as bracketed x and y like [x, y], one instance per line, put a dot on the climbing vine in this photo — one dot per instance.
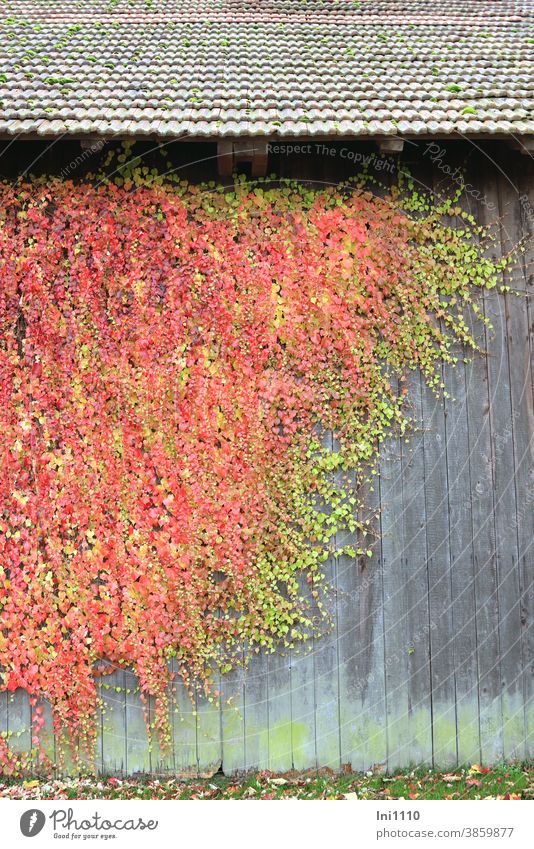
[173, 360]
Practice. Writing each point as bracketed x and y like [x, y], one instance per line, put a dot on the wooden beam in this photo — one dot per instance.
[90, 144]
[231, 152]
[225, 157]
[391, 145]
[260, 158]
[243, 150]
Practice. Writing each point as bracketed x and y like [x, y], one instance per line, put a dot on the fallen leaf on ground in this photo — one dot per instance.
[483, 770]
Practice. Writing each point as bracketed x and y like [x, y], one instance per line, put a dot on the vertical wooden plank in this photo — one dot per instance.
[114, 731]
[209, 743]
[162, 760]
[444, 742]
[19, 721]
[515, 224]
[361, 644]
[416, 582]
[483, 531]
[523, 428]
[99, 754]
[46, 736]
[462, 642]
[303, 708]
[326, 668]
[396, 633]
[302, 672]
[136, 734]
[184, 723]
[326, 671]
[233, 720]
[4, 720]
[279, 732]
[501, 371]
[257, 713]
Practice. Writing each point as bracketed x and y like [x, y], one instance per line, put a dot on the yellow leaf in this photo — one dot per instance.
[474, 768]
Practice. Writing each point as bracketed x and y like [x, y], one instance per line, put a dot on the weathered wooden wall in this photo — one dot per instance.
[430, 659]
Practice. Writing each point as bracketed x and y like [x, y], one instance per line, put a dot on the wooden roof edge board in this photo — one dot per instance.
[526, 140]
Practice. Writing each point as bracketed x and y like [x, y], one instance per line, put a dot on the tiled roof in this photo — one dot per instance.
[289, 68]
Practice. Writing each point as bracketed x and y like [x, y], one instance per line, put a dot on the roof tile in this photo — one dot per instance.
[266, 67]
